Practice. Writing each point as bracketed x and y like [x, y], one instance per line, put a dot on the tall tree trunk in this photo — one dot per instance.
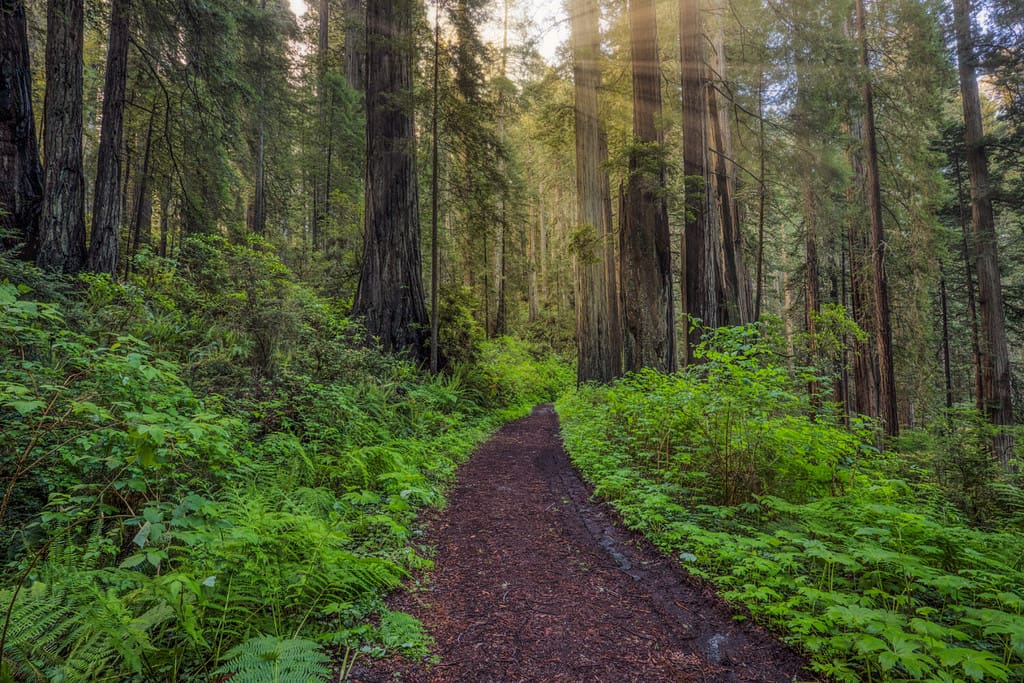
[699, 284]
[62, 238]
[646, 262]
[355, 44]
[738, 304]
[888, 406]
[972, 306]
[390, 293]
[435, 167]
[995, 357]
[106, 219]
[865, 367]
[762, 197]
[320, 196]
[259, 201]
[21, 175]
[611, 264]
[947, 368]
[500, 308]
[595, 359]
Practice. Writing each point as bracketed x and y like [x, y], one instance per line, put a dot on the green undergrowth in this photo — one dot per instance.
[211, 478]
[865, 560]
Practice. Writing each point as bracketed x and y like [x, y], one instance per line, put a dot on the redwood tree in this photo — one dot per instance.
[598, 356]
[880, 283]
[646, 263]
[21, 176]
[62, 229]
[390, 293]
[106, 217]
[995, 400]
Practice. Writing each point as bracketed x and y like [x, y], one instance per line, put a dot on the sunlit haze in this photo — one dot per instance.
[547, 20]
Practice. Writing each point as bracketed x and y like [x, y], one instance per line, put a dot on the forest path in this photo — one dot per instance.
[534, 582]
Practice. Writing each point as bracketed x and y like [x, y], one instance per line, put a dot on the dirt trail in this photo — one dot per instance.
[534, 582]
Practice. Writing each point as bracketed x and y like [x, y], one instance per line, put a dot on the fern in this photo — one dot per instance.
[270, 659]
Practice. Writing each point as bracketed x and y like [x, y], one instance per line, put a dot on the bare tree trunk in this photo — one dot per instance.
[21, 175]
[611, 264]
[972, 306]
[738, 303]
[435, 166]
[390, 293]
[646, 263]
[699, 285]
[355, 44]
[947, 369]
[888, 406]
[500, 308]
[762, 197]
[106, 219]
[62, 242]
[595, 360]
[996, 387]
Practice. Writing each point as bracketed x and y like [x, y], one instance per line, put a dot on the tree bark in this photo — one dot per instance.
[106, 218]
[62, 238]
[355, 44]
[390, 293]
[435, 167]
[887, 404]
[738, 309]
[699, 285]
[21, 175]
[596, 361]
[646, 262]
[995, 358]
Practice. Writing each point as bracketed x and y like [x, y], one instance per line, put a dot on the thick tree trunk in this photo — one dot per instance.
[390, 293]
[699, 284]
[106, 219]
[646, 262]
[595, 353]
[888, 406]
[21, 175]
[62, 238]
[995, 357]
[355, 44]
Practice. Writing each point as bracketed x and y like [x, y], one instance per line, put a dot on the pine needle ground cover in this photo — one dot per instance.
[206, 474]
[861, 559]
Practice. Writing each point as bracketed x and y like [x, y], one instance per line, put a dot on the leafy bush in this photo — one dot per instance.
[802, 521]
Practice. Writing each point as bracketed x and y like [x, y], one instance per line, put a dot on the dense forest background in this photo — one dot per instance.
[267, 277]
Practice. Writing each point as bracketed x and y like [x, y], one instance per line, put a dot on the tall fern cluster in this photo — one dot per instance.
[205, 474]
[871, 562]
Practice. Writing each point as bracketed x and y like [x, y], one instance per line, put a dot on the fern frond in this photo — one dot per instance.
[269, 659]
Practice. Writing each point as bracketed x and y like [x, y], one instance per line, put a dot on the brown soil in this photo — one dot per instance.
[535, 582]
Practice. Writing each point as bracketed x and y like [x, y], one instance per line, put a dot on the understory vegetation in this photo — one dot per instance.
[208, 474]
[903, 565]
